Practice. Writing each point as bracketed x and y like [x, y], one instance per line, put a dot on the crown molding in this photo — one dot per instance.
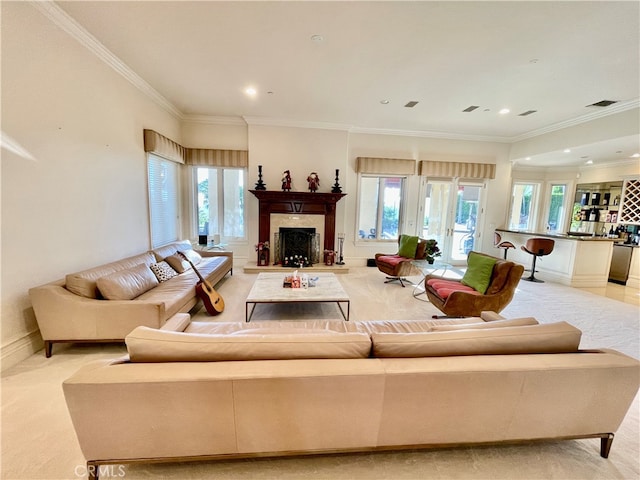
[605, 112]
[285, 122]
[214, 120]
[431, 134]
[63, 20]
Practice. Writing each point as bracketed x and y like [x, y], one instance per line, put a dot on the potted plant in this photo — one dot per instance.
[432, 251]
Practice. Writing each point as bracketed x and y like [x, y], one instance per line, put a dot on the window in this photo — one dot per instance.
[555, 218]
[164, 205]
[523, 201]
[380, 212]
[220, 202]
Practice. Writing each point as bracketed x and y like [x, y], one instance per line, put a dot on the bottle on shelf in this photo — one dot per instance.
[611, 232]
[593, 215]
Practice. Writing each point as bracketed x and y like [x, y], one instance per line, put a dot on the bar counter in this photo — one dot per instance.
[576, 260]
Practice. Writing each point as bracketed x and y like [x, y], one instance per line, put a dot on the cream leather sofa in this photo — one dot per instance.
[75, 309]
[206, 390]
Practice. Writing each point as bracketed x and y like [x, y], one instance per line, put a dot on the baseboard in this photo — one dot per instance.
[20, 349]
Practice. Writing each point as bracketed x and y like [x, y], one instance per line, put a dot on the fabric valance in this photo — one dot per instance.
[207, 157]
[389, 166]
[163, 147]
[203, 157]
[430, 168]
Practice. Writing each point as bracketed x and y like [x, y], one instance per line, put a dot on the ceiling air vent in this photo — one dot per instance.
[528, 112]
[411, 104]
[470, 108]
[603, 103]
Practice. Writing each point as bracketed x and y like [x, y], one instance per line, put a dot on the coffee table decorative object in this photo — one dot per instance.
[274, 288]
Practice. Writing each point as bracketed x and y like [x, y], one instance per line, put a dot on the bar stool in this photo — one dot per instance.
[538, 247]
[498, 243]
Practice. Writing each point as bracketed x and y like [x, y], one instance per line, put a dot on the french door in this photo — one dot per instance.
[451, 210]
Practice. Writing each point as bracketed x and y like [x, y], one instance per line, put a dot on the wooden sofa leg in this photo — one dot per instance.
[48, 348]
[605, 445]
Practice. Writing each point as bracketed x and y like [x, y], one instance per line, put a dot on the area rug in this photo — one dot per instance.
[38, 441]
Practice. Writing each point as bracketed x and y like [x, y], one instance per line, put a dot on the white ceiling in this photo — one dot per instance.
[553, 57]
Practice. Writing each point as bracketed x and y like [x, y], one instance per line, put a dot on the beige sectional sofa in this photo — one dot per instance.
[104, 303]
[206, 390]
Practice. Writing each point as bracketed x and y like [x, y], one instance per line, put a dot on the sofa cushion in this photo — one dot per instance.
[546, 338]
[84, 283]
[151, 345]
[511, 322]
[192, 255]
[167, 250]
[127, 284]
[392, 260]
[232, 327]
[163, 271]
[479, 270]
[408, 245]
[178, 263]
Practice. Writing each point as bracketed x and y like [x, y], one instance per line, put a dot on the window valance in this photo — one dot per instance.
[207, 157]
[389, 166]
[163, 147]
[203, 157]
[430, 168]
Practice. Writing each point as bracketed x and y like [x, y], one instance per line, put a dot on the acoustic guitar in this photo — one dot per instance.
[213, 302]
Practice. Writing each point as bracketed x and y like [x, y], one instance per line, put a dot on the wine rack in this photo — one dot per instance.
[630, 211]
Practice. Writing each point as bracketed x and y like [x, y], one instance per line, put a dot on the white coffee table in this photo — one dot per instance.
[268, 289]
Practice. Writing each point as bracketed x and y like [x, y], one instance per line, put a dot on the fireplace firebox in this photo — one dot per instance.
[296, 247]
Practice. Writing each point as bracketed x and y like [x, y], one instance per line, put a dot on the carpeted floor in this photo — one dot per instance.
[38, 441]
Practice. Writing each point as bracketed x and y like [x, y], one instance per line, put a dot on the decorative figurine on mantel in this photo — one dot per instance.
[336, 187]
[314, 181]
[260, 185]
[286, 181]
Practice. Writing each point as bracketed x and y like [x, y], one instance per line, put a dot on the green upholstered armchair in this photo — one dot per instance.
[397, 266]
[455, 299]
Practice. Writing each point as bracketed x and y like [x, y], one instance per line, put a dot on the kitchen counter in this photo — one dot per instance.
[576, 260]
[579, 236]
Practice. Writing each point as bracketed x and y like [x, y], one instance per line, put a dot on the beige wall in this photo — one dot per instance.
[77, 197]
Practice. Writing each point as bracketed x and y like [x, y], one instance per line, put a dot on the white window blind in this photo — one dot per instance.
[163, 200]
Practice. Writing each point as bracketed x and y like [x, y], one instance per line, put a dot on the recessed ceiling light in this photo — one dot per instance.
[589, 162]
[527, 158]
[504, 111]
[250, 91]
[567, 150]
[635, 155]
[384, 102]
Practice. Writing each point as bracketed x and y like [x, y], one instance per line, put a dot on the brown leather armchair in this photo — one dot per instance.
[397, 267]
[457, 300]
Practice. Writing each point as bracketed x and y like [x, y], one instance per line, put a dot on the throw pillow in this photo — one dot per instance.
[163, 271]
[408, 245]
[178, 263]
[479, 270]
